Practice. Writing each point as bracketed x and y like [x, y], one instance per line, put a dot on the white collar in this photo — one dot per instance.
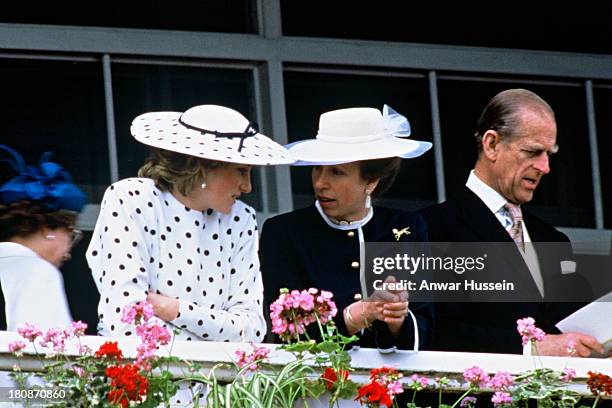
[344, 225]
[9, 249]
[490, 197]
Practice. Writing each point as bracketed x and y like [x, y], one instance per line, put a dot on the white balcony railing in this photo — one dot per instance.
[426, 363]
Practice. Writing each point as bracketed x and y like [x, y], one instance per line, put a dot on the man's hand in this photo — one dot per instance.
[165, 307]
[559, 345]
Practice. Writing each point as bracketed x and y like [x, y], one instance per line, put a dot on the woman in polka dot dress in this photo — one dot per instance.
[178, 236]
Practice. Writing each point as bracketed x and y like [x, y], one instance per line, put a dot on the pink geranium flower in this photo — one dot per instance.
[16, 346]
[528, 330]
[29, 331]
[293, 311]
[137, 313]
[501, 381]
[77, 329]
[80, 372]
[568, 374]
[476, 376]
[252, 360]
[56, 337]
[500, 399]
[419, 381]
[152, 336]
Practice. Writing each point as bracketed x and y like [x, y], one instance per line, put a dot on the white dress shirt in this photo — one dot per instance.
[496, 202]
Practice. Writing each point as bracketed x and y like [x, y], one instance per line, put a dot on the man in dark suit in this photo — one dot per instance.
[516, 134]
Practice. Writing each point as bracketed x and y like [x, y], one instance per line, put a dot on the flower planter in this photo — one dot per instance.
[323, 402]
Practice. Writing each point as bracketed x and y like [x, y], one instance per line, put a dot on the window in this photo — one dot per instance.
[57, 106]
[565, 196]
[237, 16]
[603, 107]
[308, 95]
[83, 296]
[574, 29]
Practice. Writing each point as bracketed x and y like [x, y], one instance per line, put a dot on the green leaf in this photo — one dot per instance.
[300, 347]
[326, 346]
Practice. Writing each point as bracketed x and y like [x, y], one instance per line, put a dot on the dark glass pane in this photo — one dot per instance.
[146, 88]
[81, 290]
[603, 107]
[577, 29]
[236, 16]
[415, 186]
[564, 196]
[57, 107]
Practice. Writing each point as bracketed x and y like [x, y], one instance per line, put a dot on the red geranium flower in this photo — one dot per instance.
[382, 371]
[126, 384]
[330, 377]
[374, 393]
[598, 382]
[109, 349]
[383, 388]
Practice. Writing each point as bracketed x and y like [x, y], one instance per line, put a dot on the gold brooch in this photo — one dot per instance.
[398, 233]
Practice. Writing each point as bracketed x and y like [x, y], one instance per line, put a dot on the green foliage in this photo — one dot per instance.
[544, 386]
[298, 380]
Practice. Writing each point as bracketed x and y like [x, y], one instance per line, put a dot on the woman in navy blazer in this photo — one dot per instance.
[356, 155]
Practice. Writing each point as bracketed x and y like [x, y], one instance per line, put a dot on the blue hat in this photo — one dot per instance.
[48, 184]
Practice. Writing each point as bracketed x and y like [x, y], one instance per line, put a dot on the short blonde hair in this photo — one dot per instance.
[171, 170]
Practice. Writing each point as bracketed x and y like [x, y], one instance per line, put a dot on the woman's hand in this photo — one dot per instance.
[392, 307]
[394, 315]
[360, 315]
[165, 307]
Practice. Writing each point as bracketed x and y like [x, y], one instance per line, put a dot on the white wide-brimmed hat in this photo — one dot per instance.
[212, 132]
[348, 135]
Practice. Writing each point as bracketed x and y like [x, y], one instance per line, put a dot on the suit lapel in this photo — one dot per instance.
[483, 223]
[541, 240]
[477, 217]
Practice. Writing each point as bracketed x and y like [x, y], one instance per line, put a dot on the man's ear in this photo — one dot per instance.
[490, 144]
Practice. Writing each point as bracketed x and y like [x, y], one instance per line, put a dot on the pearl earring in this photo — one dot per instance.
[368, 200]
[203, 185]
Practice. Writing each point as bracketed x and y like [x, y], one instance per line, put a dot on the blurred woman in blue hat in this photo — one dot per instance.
[38, 211]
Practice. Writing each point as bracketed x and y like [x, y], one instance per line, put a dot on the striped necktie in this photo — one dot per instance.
[516, 230]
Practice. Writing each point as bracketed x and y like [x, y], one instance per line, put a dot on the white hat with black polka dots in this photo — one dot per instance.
[212, 132]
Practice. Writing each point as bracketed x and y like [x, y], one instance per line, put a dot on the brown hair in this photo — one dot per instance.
[24, 218]
[502, 113]
[175, 170]
[386, 170]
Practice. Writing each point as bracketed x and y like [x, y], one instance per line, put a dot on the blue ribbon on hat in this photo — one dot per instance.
[395, 124]
[48, 184]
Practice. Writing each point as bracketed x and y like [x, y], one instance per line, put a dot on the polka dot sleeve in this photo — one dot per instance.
[119, 254]
[241, 317]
